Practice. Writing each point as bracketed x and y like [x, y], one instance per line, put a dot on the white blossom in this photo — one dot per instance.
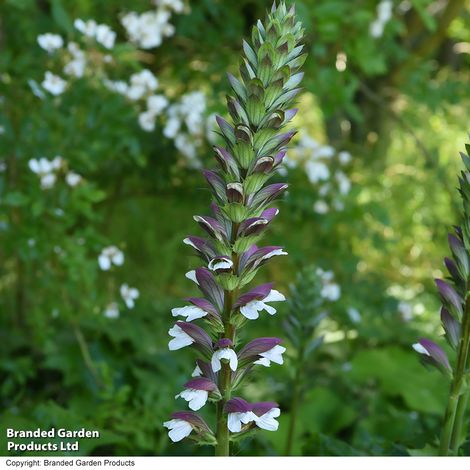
[419, 348]
[105, 36]
[73, 179]
[197, 372]
[50, 42]
[273, 355]
[190, 312]
[178, 429]
[111, 311]
[157, 103]
[180, 338]
[251, 309]
[331, 292]
[53, 83]
[268, 420]
[129, 295]
[354, 314]
[196, 398]
[227, 354]
[147, 121]
[109, 256]
[317, 171]
[235, 420]
[321, 207]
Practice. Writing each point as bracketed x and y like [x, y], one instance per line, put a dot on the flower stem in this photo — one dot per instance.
[225, 375]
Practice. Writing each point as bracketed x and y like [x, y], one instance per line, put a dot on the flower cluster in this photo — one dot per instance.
[324, 167]
[183, 122]
[455, 319]
[384, 13]
[255, 145]
[112, 256]
[48, 172]
[148, 29]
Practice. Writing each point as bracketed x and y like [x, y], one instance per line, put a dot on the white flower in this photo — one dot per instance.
[325, 151]
[406, 310]
[278, 252]
[197, 372]
[157, 103]
[227, 354]
[316, 171]
[191, 312]
[331, 292]
[376, 29]
[268, 421]
[109, 256]
[146, 79]
[57, 163]
[172, 127]
[118, 86]
[48, 181]
[53, 83]
[41, 166]
[419, 348]
[147, 121]
[87, 28]
[223, 263]
[354, 315]
[178, 429]
[129, 295]
[75, 68]
[344, 157]
[50, 42]
[343, 182]
[191, 275]
[273, 355]
[112, 311]
[321, 207]
[235, 420]
[180, 338]
[196, 398]
[105, 36]
[72, 179]
[251, 309]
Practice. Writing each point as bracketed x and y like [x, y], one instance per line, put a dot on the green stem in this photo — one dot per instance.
[447, 430]
[225, 375]
[458, 423]
[295, 405]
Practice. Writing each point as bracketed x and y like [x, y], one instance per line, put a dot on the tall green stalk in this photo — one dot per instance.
[455, 318]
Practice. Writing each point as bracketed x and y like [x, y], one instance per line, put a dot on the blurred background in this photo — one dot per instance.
[106, 116]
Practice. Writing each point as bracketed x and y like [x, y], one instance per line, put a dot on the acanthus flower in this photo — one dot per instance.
[255, 144]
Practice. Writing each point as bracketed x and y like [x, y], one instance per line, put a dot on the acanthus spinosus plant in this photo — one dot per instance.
[255, 146]
[455, 318]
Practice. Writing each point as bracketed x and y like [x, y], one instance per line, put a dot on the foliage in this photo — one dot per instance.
[396, 102]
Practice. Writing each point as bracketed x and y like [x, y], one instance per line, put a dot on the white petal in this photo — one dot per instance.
[267, 421]
[191, 275]
[118, 258]
[269, 309]
[234, 423]
[179, 429]
[215, 362]
[275, 354]
[220, 264]
[274, 296]
[191, 312]
[251, 309]
[419, 348]
[197, 372]
[180, 338]
[104, 262]
[263, 362]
